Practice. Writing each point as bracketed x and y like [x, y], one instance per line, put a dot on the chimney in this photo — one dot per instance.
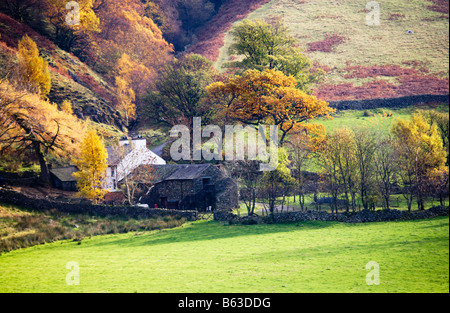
[124, 141]
[139, 142]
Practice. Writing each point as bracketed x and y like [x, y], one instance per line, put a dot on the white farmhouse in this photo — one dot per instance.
[127, 157]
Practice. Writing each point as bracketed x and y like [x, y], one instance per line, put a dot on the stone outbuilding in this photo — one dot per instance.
[203, 187]
[62, 178]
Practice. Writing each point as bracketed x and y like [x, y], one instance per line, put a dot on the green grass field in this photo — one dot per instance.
[382, 118]
[211, 257]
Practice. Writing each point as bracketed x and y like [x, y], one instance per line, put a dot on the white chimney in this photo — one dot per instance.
[124, 141]
[139, 143]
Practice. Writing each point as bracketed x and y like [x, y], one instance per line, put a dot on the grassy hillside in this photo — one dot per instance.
[211, 257]
[383, 118]
[364, 61]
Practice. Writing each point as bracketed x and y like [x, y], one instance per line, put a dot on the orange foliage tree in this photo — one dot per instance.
[268, 97]
[126, 30]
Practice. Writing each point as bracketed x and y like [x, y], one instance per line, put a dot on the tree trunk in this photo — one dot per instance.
[45, 173]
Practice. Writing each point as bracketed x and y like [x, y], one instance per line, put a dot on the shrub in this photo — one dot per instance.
[328, 44]
[368, 113]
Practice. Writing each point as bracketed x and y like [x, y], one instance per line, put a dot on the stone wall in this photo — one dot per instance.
[15, 198]
[364, 216]
[392, 103]
[227, 195]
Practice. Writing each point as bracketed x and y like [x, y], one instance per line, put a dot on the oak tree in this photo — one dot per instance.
[261, 45]
[269, 97]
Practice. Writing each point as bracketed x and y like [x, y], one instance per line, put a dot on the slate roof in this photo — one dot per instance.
[188, 172]
[177, 172]
[161, 172]
[64, 174]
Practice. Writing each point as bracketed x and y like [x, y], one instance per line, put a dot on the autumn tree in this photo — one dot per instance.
[92, 166]
[263, 45]
[421, 151]
[249, 176]
[438, 183]
[302, 146]
[125, 29]
[68, 33]
[365, 148]
[66, 107]
[165, 14]
[441, 120]
[125, 94]
[269, 97]
[32, 126]
[32, 71]
[339, 161]
[125, 100]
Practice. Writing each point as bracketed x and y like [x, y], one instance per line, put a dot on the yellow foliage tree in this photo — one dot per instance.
[339, 162]
[84, 22]
[92, 167]
[34, 127]
[66, 107]
[32, 72]
[126, 96]
[268, 97]
[303, 144]
[421, 153]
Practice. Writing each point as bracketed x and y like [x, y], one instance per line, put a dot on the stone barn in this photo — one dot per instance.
[62, 178]
[202, 187]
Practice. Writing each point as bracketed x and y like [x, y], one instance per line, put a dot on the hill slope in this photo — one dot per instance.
[407, 54]
[91, 96]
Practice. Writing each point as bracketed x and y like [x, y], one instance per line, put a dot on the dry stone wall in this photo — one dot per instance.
[18, 199]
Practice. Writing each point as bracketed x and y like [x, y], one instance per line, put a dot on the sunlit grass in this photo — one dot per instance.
[212, 257]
